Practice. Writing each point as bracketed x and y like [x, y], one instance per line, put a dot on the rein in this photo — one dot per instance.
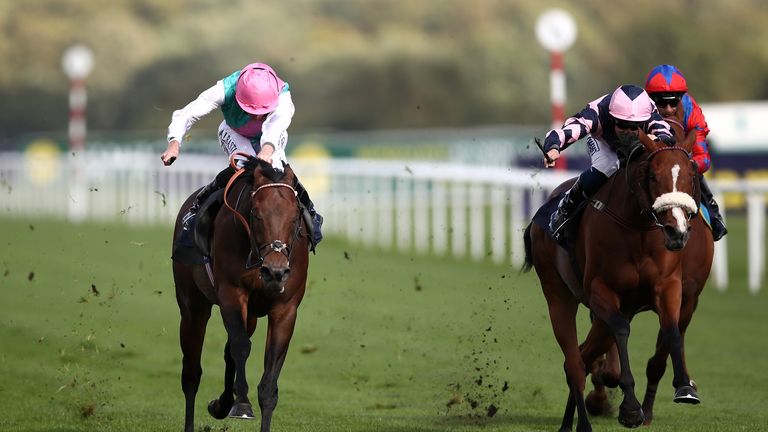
[603, 208]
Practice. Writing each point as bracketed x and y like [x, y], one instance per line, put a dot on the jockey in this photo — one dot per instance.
[667, 87]
[257, 109]
[608, 123]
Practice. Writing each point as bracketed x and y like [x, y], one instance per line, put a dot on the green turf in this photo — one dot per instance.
[384, 342]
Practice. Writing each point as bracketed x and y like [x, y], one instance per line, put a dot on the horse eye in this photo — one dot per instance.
[652, 176]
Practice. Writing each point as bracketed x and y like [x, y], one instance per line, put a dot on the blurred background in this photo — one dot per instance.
[363, 65]
[413, 133]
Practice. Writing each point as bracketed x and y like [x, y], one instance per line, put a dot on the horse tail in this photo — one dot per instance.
[528, 264]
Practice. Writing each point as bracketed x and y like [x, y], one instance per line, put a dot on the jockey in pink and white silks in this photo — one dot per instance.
[257, 109]
[667, 87]
[607, 123]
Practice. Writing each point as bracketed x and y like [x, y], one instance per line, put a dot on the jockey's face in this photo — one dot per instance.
[666, 103]
[623, 127]
[258, 117]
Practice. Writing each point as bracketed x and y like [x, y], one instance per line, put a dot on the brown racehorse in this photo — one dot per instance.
[260, 257]
[626, 257]
[697, 262]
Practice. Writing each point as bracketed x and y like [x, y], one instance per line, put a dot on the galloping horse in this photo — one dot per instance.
[259, 267]
[625, 257]
[697, 262]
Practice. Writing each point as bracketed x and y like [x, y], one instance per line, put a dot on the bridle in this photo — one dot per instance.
[274, 246]
[671, 199]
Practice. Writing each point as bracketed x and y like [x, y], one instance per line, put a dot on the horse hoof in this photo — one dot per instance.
[686, 394]
[597, 405]
[631, 419]
[216, 410]
[242, 410]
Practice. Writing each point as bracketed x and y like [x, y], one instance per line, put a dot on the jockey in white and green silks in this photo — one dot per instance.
[256, 116]
[257, 109]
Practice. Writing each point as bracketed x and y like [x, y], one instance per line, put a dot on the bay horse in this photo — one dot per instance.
[624, 256]
[697, 263]
[260, 256]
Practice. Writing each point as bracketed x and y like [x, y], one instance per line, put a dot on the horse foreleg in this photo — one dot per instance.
[281, 324]
[668, 307]
[194, 318]
[234, 315]
[653, 372]
[219, 408]
[605, 304]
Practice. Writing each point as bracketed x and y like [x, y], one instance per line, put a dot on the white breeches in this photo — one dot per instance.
[231, 142]
[603, 157]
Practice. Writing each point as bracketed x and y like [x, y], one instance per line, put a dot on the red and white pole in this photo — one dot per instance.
[77, 63]
[77, 120]
[556, 31]
[557, 97]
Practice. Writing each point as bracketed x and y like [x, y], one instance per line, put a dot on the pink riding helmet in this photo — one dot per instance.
[258, 89]
[631, 103]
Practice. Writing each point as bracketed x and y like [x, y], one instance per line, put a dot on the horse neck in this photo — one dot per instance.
[624, 197]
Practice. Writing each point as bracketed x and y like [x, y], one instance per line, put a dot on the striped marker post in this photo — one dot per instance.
[556, 31]
[77, 63]
[77, 120]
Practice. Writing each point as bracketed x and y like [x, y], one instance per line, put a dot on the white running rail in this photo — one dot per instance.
[462, 210]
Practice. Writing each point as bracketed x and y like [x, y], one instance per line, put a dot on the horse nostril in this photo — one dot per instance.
[266, 274]
[670, 231]
[278, 274]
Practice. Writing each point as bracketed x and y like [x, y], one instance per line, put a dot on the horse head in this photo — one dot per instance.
[671, 186]
[274, 220]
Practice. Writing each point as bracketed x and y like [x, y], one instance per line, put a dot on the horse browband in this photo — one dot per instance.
[268, 185]
[661, 149]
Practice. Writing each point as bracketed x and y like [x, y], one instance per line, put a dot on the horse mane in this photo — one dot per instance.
[253, 165]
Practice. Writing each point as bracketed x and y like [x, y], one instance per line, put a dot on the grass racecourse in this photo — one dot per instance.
[384, 342]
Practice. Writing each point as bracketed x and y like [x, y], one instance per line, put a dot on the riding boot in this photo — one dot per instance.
[312, 218]
[716, 219]
[572, 198]
[221, 179]
[585, 186]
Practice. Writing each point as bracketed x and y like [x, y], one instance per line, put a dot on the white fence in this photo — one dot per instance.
[461, 210]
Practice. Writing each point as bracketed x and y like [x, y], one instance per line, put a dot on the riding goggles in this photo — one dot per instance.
[628, 125]
[666, 99]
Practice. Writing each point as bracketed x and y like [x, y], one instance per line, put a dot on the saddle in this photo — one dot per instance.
[203, 234]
